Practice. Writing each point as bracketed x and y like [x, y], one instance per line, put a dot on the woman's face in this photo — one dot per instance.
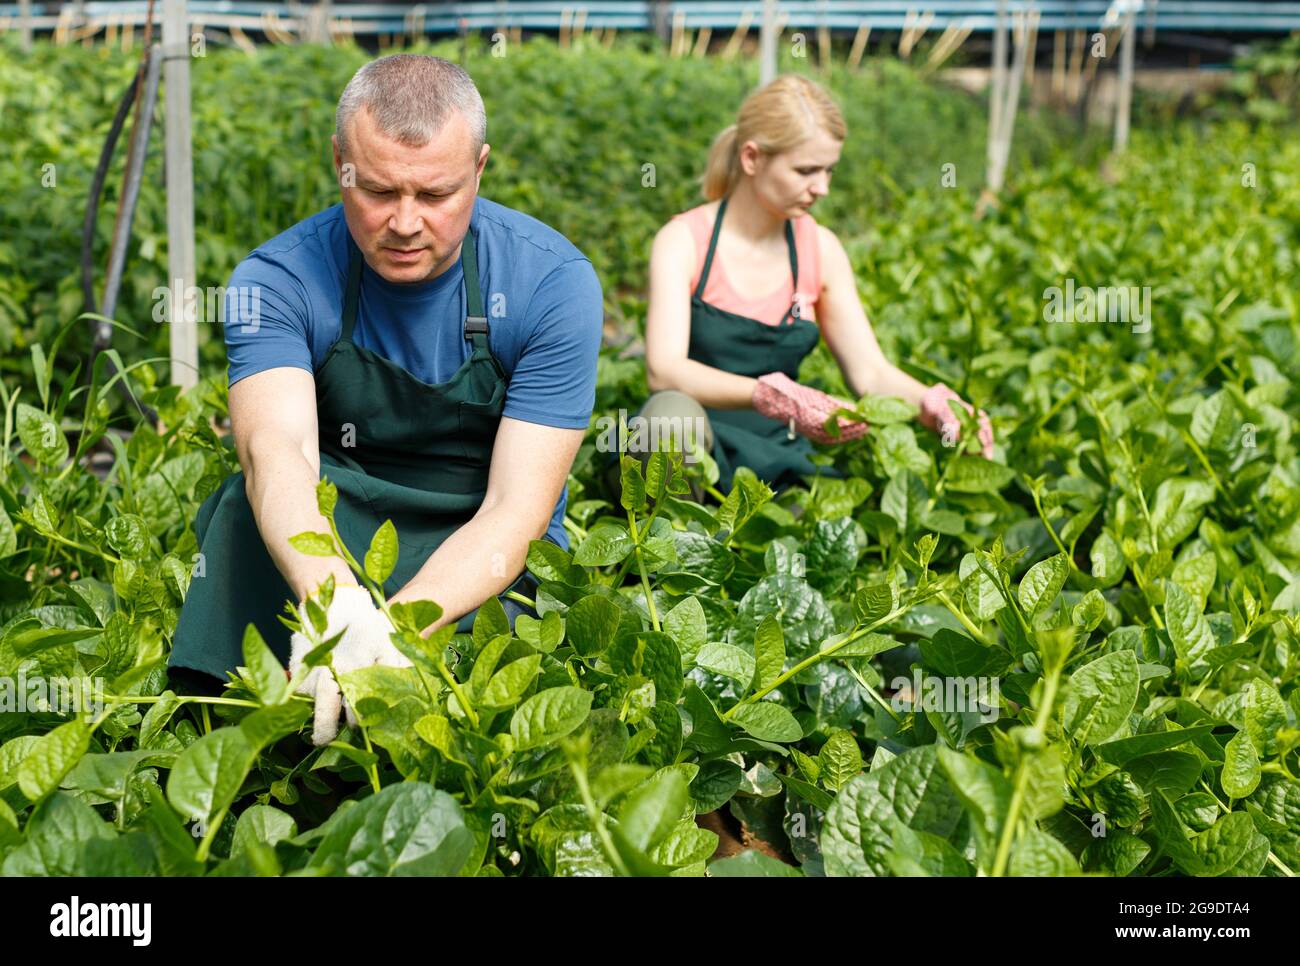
[789, 183]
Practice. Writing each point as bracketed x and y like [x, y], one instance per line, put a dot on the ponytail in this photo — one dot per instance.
[723, 171]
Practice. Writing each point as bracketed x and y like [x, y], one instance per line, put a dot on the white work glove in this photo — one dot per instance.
[365, 642]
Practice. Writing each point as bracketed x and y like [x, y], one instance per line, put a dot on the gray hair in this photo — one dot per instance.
[410, 96]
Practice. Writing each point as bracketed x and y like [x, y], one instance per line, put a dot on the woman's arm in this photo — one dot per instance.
[848, 333]
[668, 329]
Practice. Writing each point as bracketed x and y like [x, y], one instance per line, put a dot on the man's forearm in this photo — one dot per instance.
[478, 561]
[281, 488]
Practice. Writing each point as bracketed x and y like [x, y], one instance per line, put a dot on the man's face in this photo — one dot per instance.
[408, 209]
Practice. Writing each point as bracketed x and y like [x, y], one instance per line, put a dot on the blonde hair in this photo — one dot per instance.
[777, 117]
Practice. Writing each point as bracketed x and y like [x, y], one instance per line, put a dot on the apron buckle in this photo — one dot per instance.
[475, 325]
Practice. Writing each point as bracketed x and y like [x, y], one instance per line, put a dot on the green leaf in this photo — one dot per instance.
[840, 759]
[1100, 697]
[41, 436]
[608, 542]
[591, 624]
[769, 652]
[1121, 751]
[1188, 630]
[729, 661]
[687, 625]
[262, 824]
[490, 621]
[1042, 583]
[51, 757]
[651, 811]
[209, 773]
[650, 654]
[509, 684]
[264, 669]
[768, 721]
[548, 716]
[1241, 772]
[632, 496]
[55, 839]
[974, 474]
[1264, 715]
[128, 535]
[856, 836]
[381, 557]
[406, 829]
[871, 604]
[314, 544]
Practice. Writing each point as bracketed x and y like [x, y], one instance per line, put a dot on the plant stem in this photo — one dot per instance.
[812, 659]
[1022, 776]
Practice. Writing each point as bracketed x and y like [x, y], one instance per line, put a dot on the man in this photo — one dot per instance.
[432, 352]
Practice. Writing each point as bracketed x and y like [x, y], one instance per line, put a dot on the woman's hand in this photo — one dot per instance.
[779, 397]
[938, 416]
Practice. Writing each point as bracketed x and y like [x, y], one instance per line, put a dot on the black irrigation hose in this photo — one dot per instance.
[88, 239]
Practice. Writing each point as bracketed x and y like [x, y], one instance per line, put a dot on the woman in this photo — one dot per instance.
[742, 287]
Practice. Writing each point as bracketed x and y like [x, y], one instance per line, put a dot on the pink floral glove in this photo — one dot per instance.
[938, 416]
[779, 397]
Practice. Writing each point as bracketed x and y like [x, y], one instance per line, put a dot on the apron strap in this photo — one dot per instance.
[353, 292]
[713, 247]
[475, 326]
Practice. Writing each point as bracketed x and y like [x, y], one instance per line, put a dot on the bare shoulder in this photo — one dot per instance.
[674, 244]
[833, 256]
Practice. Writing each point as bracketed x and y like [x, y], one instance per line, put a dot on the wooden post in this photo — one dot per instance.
[1124, 104]
[1058, 67]
[859, 45]
[180, 193]
[25, 22]
[998, 88]
[738, 35]
[767, 44]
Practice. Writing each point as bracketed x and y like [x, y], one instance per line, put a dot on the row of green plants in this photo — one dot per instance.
[815, 664]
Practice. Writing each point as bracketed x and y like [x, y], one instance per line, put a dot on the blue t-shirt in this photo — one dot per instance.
[284, 307]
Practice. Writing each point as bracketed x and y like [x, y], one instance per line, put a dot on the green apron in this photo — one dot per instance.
[748, 347]
[416, 453]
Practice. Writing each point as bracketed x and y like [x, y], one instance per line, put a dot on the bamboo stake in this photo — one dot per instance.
[609, 37]
[949, 43]
[580, 21]
[1033, 47]
[909, 39]
[677, 46]
[565, 14]
[1058, 66]
[702, 41]
[859, 45]
[824, 47]
[242, 41]
[738, 35]
[999, 80]
[1124, 103]
[1075, 88]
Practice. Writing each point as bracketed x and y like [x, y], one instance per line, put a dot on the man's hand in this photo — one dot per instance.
[530, 464]
[366, 641]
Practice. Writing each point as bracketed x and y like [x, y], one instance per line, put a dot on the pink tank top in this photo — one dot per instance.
[770, 308]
